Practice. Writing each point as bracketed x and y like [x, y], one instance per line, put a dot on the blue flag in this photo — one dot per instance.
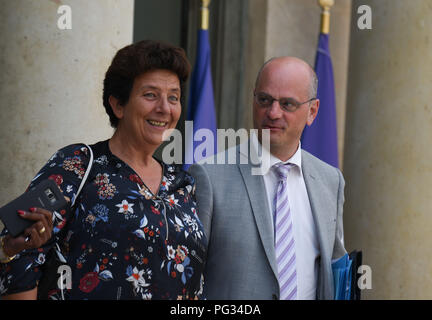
[201, 108]
[320, 138]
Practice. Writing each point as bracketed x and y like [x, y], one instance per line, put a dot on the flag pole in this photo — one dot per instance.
[205, 12]
[201, 110]
[325, 15]
[320, 138]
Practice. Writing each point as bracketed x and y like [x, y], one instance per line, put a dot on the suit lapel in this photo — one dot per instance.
[320, 206]
[322, 214]
[258, 199]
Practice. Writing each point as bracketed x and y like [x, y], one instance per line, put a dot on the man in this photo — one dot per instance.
[273, 236]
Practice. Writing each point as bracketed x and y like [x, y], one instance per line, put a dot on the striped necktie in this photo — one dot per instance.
[284, 237]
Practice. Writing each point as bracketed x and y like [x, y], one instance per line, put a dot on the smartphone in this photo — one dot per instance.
[46, 195]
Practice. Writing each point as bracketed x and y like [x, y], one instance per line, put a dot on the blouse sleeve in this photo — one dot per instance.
[67, 168]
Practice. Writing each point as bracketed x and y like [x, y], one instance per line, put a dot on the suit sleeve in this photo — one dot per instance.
[204, 196]
[339, 246]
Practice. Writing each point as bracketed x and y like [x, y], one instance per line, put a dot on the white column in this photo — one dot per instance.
[51, 80]
[388, 154]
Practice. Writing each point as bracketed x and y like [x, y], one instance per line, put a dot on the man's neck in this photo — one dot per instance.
[284, 154]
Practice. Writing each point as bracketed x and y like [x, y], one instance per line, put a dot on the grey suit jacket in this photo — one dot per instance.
[233, 206]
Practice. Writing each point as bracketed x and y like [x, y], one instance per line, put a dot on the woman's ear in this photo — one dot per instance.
[116, 107]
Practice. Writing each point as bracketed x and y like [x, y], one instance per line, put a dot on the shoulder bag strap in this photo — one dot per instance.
[61, 258]
[84, 179]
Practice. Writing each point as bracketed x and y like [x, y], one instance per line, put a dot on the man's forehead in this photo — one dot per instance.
[284, 73]
[289, 65]
[285, 78]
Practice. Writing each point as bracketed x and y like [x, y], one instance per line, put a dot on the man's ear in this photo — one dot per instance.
[116, 107]
[313, 111]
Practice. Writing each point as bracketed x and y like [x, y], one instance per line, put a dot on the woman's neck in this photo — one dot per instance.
[140, 158]
[131, 152]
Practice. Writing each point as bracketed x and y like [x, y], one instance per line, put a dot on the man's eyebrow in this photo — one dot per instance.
[292, 98]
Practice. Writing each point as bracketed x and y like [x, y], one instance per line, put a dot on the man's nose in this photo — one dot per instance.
[274, 111]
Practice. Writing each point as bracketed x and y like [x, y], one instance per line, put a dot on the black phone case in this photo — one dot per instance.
[45, 195]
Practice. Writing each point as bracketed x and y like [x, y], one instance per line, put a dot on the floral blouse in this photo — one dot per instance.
[119, 240]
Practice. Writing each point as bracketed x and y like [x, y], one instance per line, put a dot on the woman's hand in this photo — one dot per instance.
[34, 236]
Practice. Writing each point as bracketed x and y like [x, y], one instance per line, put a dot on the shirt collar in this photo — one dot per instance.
[266, 154]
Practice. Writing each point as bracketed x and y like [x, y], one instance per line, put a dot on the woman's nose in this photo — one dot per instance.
[163, 105]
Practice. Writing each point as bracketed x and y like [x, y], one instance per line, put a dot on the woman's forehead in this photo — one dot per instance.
[157, 79]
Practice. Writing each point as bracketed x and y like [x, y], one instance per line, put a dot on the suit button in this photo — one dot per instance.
[275, 297]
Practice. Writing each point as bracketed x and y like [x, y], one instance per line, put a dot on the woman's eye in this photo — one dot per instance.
[173, 98]
[149, 95]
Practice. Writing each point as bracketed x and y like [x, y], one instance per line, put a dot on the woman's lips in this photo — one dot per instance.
[159, 124]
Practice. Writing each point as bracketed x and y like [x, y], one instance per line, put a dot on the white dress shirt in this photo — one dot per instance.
[305, 235]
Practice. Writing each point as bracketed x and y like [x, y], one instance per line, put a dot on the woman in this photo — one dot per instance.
[133, 232]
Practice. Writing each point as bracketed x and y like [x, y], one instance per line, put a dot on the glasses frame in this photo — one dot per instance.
[296, 106]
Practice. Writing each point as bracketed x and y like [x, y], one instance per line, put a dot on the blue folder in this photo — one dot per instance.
[345, 276]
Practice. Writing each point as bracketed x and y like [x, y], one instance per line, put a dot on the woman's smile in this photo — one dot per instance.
[159, 124]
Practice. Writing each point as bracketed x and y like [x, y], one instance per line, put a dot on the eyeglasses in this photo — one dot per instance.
[265, 100]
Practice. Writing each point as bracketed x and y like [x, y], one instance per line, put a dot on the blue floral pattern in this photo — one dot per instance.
[120, 240]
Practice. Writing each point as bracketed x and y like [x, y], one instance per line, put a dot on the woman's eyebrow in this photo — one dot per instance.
[148, 86]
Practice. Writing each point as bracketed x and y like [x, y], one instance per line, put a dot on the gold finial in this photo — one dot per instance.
[205, 12]
[325, 15]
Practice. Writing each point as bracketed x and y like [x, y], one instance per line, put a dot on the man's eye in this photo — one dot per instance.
[288, 103]
[264, 100]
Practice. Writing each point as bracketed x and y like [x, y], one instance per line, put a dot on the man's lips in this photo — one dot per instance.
[272, 128]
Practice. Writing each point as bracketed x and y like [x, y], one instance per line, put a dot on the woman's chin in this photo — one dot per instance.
[167, 133]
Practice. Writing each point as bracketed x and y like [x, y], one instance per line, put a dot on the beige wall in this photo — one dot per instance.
[388, 167]
[51, 80]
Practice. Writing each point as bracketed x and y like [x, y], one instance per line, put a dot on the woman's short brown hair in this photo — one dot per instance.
[136, 59]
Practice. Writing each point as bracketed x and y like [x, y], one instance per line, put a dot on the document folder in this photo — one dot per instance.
[345, 276]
